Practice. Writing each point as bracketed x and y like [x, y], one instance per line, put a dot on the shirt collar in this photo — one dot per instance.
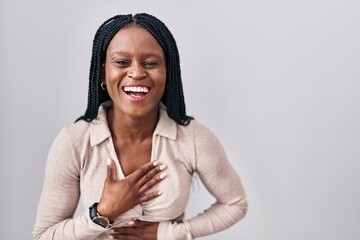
[99, 129]
[165, 127]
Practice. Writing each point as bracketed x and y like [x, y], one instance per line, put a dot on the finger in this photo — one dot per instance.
[149, 196]
[121, 231]
[152, 182]
[138, 223]
[111, 170]
[143, 170]
[152, 177]
[136, 231]
[121, 237]
[124, 237]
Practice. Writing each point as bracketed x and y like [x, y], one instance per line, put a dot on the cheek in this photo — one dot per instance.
[113, 75]
[162, 79]
[162, 86]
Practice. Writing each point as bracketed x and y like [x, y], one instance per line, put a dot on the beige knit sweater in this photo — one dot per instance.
[76, 166]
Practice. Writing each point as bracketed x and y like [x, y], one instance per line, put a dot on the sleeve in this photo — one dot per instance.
[222, 181]
[60, 196]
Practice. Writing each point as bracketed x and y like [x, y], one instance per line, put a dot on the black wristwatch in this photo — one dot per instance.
[96, 218]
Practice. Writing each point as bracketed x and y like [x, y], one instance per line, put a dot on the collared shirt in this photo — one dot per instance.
[76, 166]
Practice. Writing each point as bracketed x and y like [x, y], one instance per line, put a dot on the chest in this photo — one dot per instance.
[176, 186]
[132, 156]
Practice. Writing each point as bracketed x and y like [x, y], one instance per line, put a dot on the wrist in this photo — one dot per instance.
[104, 211]
[99, 219]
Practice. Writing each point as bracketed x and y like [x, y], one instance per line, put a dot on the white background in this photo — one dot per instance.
[277, 81]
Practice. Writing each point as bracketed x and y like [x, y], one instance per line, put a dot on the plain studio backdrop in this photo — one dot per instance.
[277, 81]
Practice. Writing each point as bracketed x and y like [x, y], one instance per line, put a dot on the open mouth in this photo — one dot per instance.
[137, 91]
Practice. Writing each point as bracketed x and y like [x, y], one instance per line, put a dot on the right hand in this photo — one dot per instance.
[119, 196]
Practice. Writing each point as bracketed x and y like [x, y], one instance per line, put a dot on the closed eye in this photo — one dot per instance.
[151, 64]
[123, 63]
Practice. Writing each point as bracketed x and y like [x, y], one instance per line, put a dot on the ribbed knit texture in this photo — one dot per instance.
[77, 165]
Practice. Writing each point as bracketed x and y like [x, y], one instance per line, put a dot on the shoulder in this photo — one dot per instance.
[78, 131]
[68, 143]
[79, 127]
[205, 140]
[72, 138]
[197, 130]
[93, 132]
[200, 136]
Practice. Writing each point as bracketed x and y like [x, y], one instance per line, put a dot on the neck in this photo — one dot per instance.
[130, 129]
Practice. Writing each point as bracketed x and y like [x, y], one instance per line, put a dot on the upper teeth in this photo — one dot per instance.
[136, 89]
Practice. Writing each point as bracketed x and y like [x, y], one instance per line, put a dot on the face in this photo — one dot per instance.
[135, 72]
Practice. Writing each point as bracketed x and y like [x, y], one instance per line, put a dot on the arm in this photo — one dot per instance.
[222, 181]
[60, 196]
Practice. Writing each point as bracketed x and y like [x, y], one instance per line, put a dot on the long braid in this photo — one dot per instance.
[173, 97]
[102, 38]
[93, 94]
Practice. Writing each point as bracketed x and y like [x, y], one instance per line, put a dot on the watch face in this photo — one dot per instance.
[104, 222]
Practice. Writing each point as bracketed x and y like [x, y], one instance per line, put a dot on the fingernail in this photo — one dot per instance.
[108, 161]
[155, 163]
[160, 192]
[162, 175]
[162, 167]
[131, 222]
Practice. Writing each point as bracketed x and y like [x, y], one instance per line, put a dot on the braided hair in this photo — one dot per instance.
[173, 97]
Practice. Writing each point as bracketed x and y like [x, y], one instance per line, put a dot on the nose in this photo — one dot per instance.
[136, 72]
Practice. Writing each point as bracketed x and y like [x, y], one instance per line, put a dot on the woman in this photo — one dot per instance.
[134, 151]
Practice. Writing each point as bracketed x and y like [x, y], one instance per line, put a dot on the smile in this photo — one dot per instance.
[136, 91]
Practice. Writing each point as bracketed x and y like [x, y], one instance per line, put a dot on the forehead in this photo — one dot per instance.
[134, 39]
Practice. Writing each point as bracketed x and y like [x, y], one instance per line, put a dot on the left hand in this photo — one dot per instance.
[139, 230]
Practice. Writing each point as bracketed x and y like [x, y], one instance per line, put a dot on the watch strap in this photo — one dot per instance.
[96, 218]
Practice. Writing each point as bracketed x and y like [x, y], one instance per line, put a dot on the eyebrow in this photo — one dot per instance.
[118, 52]
[151, 54]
